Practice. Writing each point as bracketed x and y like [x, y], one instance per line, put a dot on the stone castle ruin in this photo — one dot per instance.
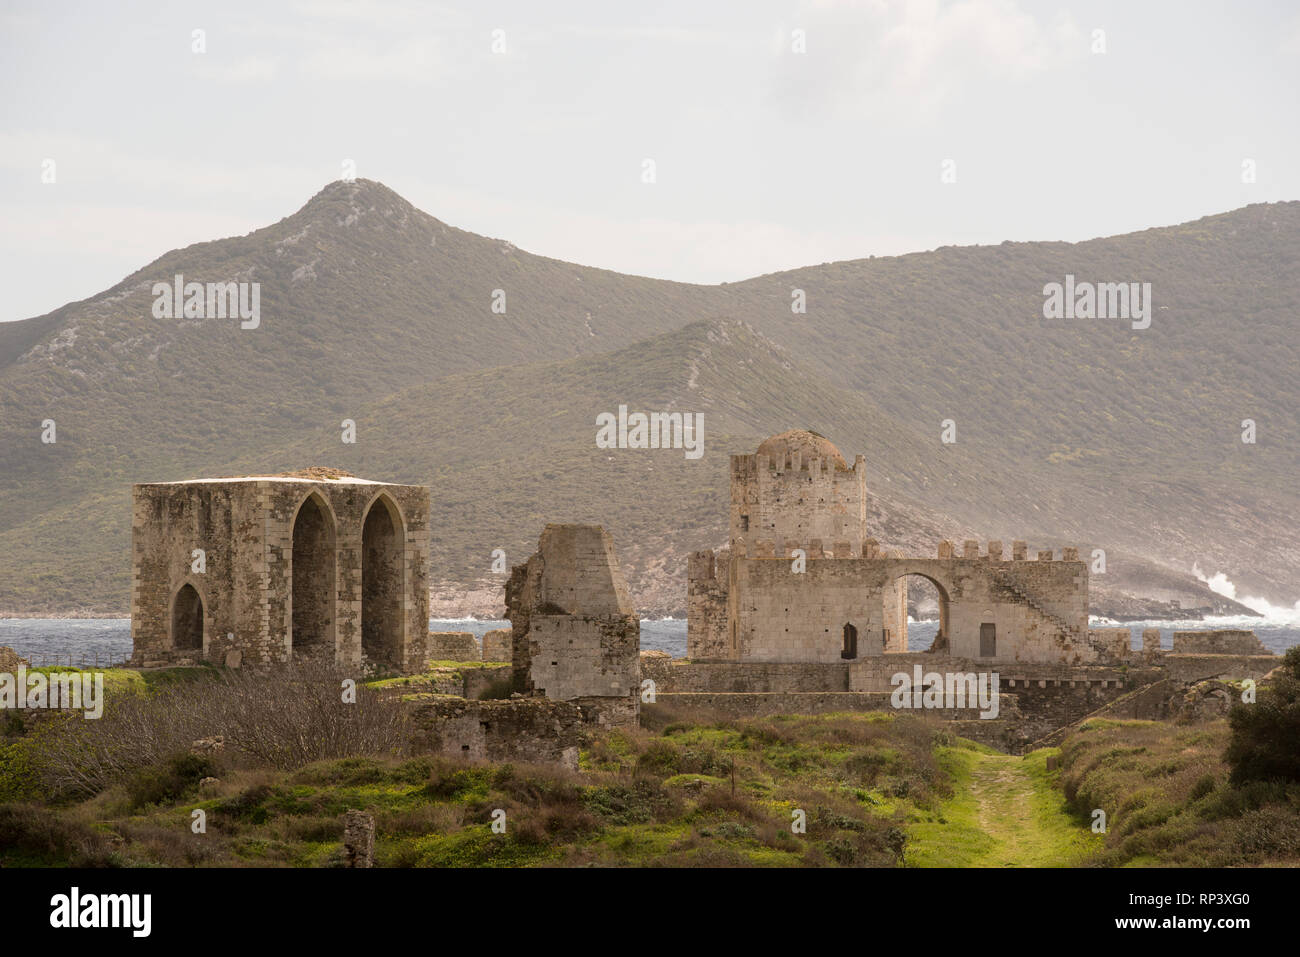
[574, 634]
[844, 598]
[801, 613]
[269, 569]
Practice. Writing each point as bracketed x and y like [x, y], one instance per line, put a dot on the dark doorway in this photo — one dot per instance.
[988, 640]
[850, 649]
[313, 580]
[382, 547]
[187, 620]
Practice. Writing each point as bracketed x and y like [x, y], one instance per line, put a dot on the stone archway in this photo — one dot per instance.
[895, 613]
[383, 547]
[187, 619]
[311, 632]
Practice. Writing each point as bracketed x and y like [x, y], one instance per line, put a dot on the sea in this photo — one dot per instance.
[105, 641]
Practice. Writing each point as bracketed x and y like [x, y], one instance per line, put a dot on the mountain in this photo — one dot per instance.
[1068, 431]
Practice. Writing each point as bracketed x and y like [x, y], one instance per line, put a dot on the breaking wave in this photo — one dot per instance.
[1220, 584]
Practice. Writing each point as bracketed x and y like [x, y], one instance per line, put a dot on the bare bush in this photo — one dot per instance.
[282, 718]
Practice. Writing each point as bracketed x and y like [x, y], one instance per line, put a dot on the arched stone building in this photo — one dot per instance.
[271, 568]
[847, 599]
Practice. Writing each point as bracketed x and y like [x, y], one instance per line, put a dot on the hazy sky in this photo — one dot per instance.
[765, 158]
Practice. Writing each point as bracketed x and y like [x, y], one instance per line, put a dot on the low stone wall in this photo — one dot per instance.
[726, 706]
[1190, 668]
[1221, 642]
[1147, 704]
[1112, 644]
[609, 711]
[536, 730]
[478, 680]
[877, 673]
[1009, 735]
[673, 676]
[452, 646]
[497, 645]
[1047, 706]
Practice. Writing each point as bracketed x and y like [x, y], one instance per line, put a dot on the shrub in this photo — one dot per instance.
[32, 835]
[169, 781]
[1203, 786]
[1262, 747]
[282, 718]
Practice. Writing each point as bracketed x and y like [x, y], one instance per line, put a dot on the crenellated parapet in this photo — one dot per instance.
[797, 488]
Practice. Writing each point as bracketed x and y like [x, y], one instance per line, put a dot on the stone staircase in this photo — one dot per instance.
[1062, 627]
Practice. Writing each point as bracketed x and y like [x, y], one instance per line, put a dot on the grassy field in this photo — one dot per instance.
[1168, 801]
[873, 790]
[1006, 811]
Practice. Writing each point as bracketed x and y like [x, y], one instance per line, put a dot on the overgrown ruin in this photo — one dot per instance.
[575, 636]
[802, 612]
[270, 569]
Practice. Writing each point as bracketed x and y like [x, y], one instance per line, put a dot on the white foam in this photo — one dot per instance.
[1272, 614]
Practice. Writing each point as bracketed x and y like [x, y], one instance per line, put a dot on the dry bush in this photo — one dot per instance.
[282, 718]
[38, 836]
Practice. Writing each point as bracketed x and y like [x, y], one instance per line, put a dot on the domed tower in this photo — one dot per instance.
[794, 491]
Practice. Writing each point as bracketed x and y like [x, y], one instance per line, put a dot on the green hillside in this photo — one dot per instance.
[1079, 431]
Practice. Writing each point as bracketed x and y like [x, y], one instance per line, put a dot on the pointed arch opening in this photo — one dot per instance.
[922, 600]
[187, 619]
[314, 592]
[383, 547]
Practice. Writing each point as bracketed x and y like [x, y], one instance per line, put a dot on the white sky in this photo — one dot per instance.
[765, 159]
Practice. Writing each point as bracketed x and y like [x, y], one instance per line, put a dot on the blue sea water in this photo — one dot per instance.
[108, 640]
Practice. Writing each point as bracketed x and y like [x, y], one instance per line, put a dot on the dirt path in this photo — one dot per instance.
[1005, 812]
[1005, 800]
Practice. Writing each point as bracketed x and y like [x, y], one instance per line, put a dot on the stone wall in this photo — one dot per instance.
[535, 730]
[706, 604]
[672, 676]
[245, 592]
[1112, 644]
[11, 661]
[497, 645]
[715, 706]
[1220, 642]
[575, 636]
[453, 646]
[1037, 609]
[1190, 668]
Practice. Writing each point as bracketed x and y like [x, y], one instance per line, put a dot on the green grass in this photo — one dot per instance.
[874, 790]
[1165, 791]
[1006, 811]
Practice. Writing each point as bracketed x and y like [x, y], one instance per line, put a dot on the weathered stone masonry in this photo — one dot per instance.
[575, 636]
[846, 599]
[292, 567]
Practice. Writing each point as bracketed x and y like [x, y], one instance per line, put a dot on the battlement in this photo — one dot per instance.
[870, 549]
[753, 464]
